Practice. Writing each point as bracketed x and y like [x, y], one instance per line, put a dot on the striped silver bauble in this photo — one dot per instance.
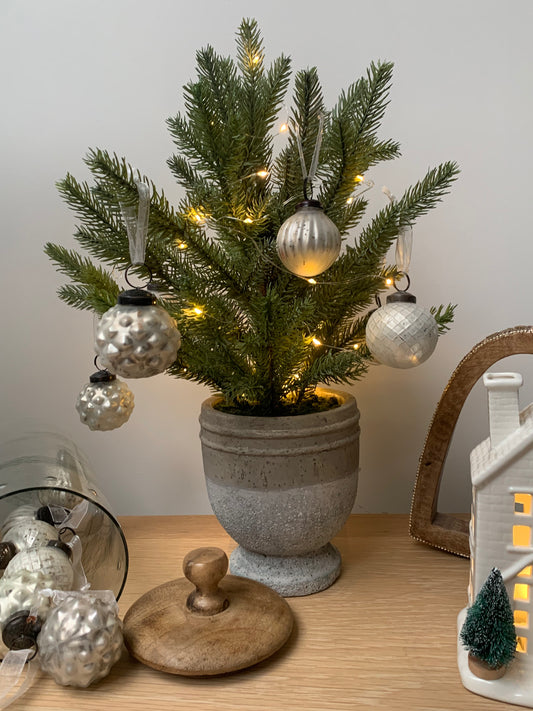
[308, 242]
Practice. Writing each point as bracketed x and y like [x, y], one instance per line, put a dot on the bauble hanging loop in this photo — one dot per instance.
[308, 242]
[401, 334]
[105, 403]
[136, 338]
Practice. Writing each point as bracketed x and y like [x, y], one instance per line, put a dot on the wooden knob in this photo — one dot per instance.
[205, 568]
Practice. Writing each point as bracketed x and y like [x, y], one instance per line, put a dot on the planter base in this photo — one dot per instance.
[290, 576]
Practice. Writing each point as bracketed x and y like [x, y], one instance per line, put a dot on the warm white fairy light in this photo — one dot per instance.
[356, 346]
[182, 245]
[350, 200]
[263, 173]
[248, 220]
[311, 281]
[389, 282]
[283, 128]
[198, 311]
[359, 178]
[316, 342]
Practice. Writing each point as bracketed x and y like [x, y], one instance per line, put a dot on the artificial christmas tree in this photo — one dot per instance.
[250, 328]
[488, 631]
[256, 326]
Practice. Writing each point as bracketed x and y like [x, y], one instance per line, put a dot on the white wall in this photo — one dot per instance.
[106, 73]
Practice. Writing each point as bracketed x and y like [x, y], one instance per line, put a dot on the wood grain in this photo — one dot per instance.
[219, 624]
[382, 637]
[450, 533]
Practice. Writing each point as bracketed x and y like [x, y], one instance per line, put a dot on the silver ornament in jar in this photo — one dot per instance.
[30, 534]
[105, 403]
[53, 560]
[308, 242]
[22, 591]
[401, 334]
[136, 338]
[80, 640]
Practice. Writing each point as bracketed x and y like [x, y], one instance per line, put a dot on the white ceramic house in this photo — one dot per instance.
[501, 530]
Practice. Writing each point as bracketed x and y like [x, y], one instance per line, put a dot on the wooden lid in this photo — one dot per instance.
[206, 623]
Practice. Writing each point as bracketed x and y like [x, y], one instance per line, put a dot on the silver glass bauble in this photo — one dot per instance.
[21, 592]
[105, 403]
[80, 641]
[308, 242]
[24, 513]
[401, 334]
[30, 534]
[136, 338]
[51, 560]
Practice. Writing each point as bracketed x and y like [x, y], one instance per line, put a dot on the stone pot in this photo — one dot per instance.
[282, 487]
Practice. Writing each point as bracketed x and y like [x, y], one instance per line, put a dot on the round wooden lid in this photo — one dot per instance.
[206, 623]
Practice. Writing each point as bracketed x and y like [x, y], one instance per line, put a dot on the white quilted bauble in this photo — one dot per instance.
[21, 592]
[105, 406]
[80, 641]
[308, 242]
[54, 563]
[401, 334]
[30, 534]
[137, 341]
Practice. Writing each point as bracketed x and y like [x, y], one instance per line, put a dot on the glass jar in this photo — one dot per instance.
[43, 475]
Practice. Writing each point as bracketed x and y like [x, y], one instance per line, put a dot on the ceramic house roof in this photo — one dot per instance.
[486, 461]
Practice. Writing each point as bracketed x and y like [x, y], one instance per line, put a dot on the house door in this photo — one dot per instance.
[521, 607]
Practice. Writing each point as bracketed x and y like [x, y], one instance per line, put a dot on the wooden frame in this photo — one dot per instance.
[426, 524]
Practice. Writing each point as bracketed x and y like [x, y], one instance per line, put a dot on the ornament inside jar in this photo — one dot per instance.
[53, 560]
[136, 338]
[308, 242]
[105, 403]
[24, 536]
[401, 334]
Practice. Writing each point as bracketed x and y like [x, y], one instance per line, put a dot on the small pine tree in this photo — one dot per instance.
[488, 631]
[249, 327]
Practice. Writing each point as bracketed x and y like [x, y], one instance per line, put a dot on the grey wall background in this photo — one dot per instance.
[107, 73]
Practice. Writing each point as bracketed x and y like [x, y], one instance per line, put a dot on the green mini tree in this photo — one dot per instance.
[488, 631]
[247, 324]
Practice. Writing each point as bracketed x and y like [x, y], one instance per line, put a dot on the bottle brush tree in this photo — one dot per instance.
[249, 327]
[488, 631]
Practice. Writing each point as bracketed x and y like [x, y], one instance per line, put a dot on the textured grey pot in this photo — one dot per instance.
[282, 487]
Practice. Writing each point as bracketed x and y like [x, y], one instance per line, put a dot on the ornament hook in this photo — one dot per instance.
[150, 277]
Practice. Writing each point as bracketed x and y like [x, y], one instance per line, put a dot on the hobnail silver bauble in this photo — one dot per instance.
[401, 334]
[30, 534]
[53, 562]
[308, 242]
[137, 340]
[105, 404]
[21, 592]
[80, 641]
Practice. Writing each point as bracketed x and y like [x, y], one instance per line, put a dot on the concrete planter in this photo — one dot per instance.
[282, 487]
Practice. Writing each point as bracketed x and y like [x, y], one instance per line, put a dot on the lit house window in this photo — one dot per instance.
[521, 618]
[521, 592]
[522, 504]
[521, 535]
[526, 572]
[521, 644]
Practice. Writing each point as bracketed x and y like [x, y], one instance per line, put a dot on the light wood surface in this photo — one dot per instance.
[382, 637]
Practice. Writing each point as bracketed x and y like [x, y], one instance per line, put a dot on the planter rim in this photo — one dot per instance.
[347, 400]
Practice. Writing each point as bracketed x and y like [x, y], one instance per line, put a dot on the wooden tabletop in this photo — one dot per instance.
[382, 637]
